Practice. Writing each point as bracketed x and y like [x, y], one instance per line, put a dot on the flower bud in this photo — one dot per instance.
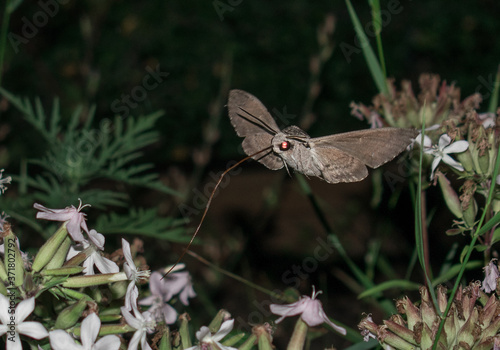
[62, 271]
[60, 256]
[184, 330]
[48, 250]
[465, 158]
[449, 195]
[470, 213]
[484, 162]
[165, 342]
[94, 280]
[69, 316]
[13, 260]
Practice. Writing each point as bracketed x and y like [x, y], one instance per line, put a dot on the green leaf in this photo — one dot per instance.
[399, 284]
[371, 59]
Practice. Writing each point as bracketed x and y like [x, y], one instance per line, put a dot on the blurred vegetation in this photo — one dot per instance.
[90, 54]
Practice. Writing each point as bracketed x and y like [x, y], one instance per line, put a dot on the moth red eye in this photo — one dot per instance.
[285, 146]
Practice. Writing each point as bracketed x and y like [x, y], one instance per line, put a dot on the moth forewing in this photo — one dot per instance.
[248, 115]
[254, 143]
[373, 147]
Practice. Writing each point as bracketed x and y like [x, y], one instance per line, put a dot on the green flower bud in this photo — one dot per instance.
[449, 195]
[60, 256]
[470, 213]
[484, 162]
[249, 343]
[184, 330]
[69, 316]
[298, 339]
[3, 272]
[165, 341]
[465, 158]
[13, 260]
[49, 249]
[94, 280]
[63, 271]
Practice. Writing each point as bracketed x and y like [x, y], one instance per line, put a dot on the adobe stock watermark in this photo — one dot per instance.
[223, 6]
[292, 278]
[394, 7]
[487, 83]
[200, 199]
[31, 27]
[139, 93]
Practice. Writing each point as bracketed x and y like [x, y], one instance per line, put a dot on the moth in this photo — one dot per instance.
[334, 158]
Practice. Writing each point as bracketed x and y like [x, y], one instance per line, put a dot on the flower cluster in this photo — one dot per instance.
[63, 267]
[472, 322]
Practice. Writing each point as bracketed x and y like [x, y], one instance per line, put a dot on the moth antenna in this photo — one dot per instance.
[260, 123]
[208, 205]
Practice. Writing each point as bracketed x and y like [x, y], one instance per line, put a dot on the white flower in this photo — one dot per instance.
[441, 151]
[310, 310]
[3, 220]
[144, 323]
[60, 340]
[13, 322]
[488, 120]
[94, 256]
[160, 309]
[132, 272]
[72, 215]
[491, 275]
[6, 180]
[206, 338]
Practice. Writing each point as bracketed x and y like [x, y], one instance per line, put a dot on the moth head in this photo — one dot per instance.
[281, 143]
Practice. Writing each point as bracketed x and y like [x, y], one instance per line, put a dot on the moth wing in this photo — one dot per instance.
[256, 142]
[248, 115]
[337, 166]
[373, 147]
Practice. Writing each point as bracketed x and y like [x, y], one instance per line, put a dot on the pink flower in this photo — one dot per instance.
[179, 282]
[310, 310]
[491, 275]
[160, 309]
[74, 218]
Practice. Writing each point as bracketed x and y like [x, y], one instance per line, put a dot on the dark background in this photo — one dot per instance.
[260, 225]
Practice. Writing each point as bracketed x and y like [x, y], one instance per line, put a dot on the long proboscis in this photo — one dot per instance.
[208, 205]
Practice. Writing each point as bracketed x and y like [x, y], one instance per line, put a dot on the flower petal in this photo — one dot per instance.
[4, 309]
[202, 333]
[97, 239]
[131, 320]
[311, 314]
[15, 344]
[109, 342]
[444, 141]
[452, 162]
[457, 147]
[224, 330]
[89, 330]
[60, 340]
[339, 329]
[104, 264]
[24, 308]
[33, 330]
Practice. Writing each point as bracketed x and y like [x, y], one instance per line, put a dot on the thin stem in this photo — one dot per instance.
[3, 37]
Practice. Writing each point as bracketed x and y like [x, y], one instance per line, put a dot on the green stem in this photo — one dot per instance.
[3, 37]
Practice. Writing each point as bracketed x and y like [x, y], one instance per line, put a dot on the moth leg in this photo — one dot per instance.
[286, 167]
